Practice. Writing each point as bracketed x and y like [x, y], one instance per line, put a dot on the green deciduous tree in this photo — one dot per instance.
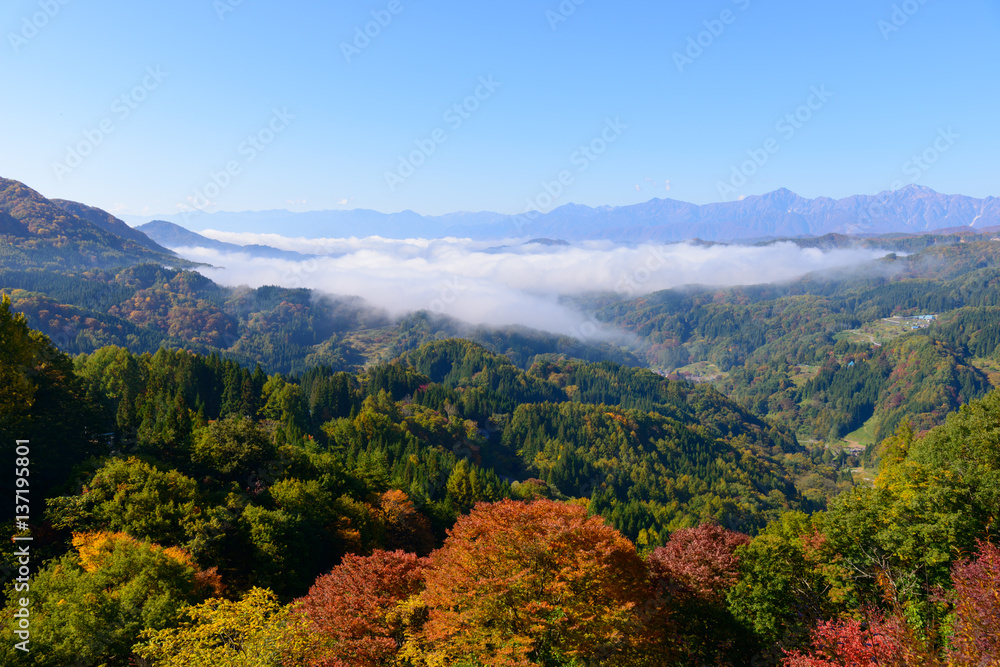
[234, 448]
[89, 607]
[131, 496]
[789, 580]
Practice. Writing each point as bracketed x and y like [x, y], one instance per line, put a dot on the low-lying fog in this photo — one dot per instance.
[516, 283]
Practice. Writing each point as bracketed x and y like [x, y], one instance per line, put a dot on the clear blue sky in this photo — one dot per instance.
[892, 93]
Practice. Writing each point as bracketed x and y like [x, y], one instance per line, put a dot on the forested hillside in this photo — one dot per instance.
[38, 233]
[812, 354]
[817, 354]
[450, 508]
[147, 307]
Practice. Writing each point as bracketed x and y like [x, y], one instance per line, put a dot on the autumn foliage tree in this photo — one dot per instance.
[693, 573]
[406, 528]
[894, 636]
[349, 613]
[255, 631]
[702, 560]
[976, 632]
[89, 606]
[851, 643]
[520, 584]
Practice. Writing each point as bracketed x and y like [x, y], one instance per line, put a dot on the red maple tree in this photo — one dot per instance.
[349, 610]
[701, 560]
[975, 636]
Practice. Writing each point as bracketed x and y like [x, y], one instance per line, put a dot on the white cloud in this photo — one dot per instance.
[519, 284]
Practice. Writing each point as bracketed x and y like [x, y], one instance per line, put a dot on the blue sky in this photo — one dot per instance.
[201, 77]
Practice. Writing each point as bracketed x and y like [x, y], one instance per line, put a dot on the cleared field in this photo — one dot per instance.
[702, 371]
[862, 437]
[803, 374]
[883, 331]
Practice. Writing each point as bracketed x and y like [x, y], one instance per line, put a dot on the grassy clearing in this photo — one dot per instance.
[882, 331]
[803, 374]
[863, 436]
[703, 370]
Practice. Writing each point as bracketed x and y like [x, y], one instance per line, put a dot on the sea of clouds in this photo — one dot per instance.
[506, 284]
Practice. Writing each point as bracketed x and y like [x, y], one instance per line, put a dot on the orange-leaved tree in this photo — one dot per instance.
[522, 584]
[405, 527]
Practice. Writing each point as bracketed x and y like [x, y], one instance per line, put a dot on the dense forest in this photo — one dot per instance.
[811, 354]
[451, 508]
[815, 354]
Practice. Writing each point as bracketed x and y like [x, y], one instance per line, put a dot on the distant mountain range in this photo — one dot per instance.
[64, 235]
[780, 214]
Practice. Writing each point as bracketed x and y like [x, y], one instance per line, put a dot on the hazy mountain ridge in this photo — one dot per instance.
[175, 236]
[782, 213]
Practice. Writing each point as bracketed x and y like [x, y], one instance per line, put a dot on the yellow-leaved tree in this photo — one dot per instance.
[255, 631]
